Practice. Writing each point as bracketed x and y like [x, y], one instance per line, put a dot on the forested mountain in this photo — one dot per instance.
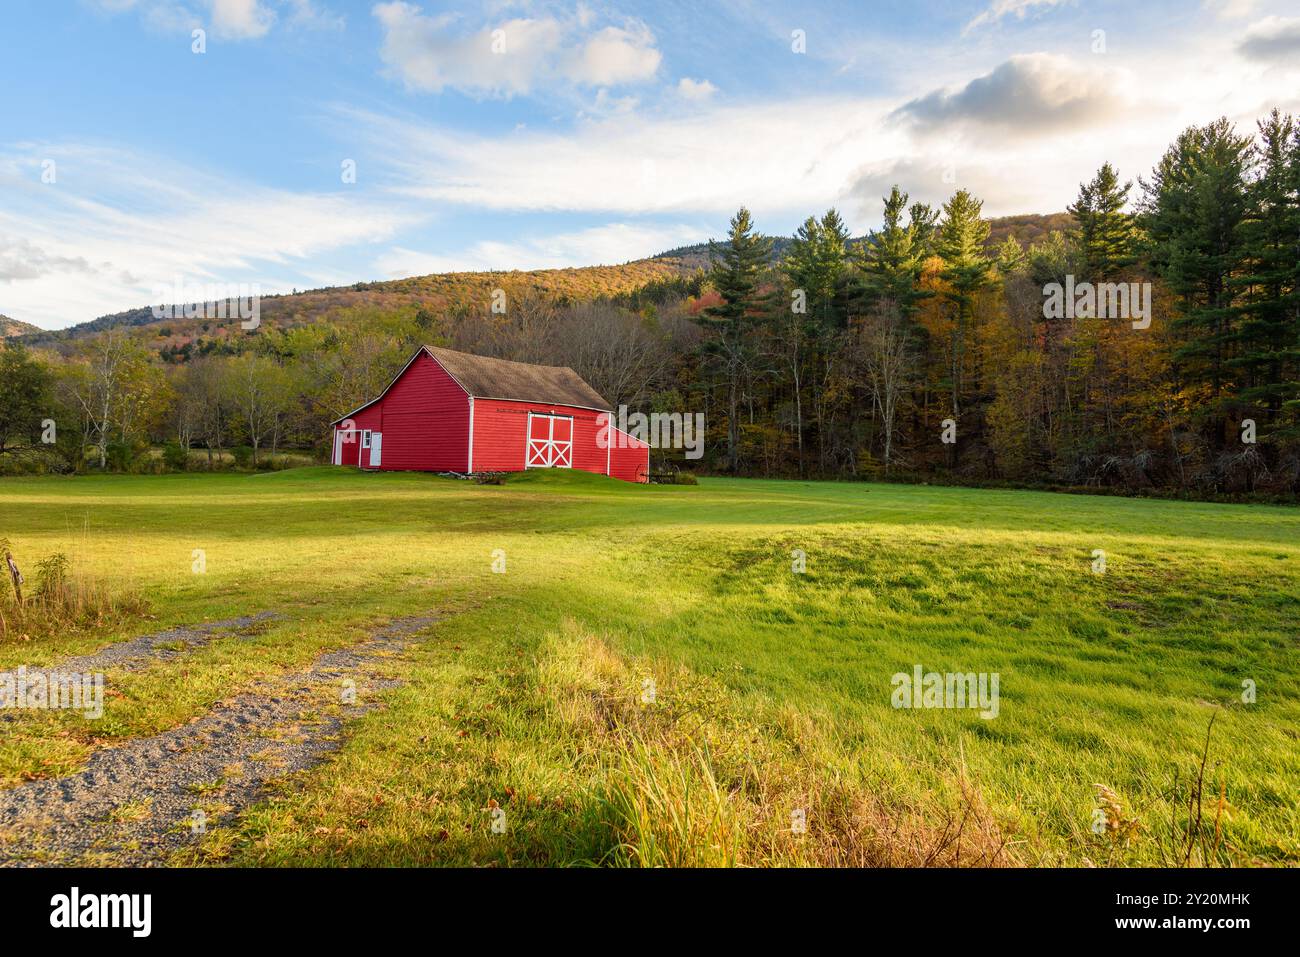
[459, 290]
[439, 292]
[12, 327]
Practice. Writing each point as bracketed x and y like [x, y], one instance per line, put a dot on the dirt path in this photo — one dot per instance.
[162, 646]
[134, 804]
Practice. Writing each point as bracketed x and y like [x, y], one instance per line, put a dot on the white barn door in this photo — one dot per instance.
[376, 448]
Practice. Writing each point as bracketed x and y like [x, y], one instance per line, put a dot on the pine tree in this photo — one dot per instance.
[793, 326]
[1106, 236]
[1266, 340]
[893, 258]
[833, 263]
[966, 269]
[1193, 209]
[816, 264]
[734, 275]
[1010, 256]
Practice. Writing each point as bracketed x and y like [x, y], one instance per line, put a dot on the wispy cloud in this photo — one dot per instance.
[786, 154]
[1005, 8]
[228, 19]
[117, 225]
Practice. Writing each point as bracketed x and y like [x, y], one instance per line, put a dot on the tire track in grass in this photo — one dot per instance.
[134, 804]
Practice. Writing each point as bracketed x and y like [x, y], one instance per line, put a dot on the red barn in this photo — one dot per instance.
[455, 412]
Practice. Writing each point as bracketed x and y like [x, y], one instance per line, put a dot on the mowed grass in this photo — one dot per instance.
[649, 682]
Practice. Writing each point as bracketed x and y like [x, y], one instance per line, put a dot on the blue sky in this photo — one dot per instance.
[535, 134]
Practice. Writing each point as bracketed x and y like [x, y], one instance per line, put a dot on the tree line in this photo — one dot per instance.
[922, 352]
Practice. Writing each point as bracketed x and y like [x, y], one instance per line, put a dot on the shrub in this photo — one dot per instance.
[243, 456]
[58, 600]
[121, 456]
[175, 456]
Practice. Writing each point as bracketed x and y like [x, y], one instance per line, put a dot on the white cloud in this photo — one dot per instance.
[690, 89]
[1023, 135]
[21, 259]
[132, 223]
[1004, 8]
[227, 19]
[600, 245]
[787, 153]
[241, 19]
[305, 13]
[516, 56]
[615, 56]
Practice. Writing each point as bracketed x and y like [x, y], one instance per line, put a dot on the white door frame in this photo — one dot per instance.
[340, 441]
[550, 451]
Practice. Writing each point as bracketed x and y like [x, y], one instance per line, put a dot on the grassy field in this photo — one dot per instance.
[649, 682]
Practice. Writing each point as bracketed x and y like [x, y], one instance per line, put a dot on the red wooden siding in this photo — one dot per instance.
[501, 429]
[424, 419]
[630, 463]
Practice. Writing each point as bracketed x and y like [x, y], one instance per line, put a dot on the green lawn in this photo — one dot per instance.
[772, 689]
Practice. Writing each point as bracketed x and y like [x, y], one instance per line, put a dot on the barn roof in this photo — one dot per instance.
[486, 378]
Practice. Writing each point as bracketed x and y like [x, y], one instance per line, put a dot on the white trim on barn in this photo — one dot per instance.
[550, 452]
[340, 441]
[469, 465]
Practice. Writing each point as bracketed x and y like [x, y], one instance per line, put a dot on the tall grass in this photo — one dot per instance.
[58, 600]
[692, 779]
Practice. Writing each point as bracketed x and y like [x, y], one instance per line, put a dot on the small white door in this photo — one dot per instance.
[376, 444]
[338, 448]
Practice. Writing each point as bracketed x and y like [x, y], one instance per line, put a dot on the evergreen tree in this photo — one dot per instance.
[734, 275]
[925, 225]
[1266, 340]
[816, 264]
[1105, 235]
[1010, 256]
[893, 258]
[966, 267]
[1193, 209]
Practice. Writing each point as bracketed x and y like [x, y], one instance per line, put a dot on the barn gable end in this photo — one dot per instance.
[425, 420]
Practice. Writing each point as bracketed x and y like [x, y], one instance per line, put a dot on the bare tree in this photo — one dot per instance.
[258, 389]
[116, 390]
[887, 358]
[204, 394]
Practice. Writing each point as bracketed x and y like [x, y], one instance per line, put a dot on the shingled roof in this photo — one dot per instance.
[486, 378]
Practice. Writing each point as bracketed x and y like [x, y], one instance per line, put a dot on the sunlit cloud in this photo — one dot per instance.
[430, 53]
